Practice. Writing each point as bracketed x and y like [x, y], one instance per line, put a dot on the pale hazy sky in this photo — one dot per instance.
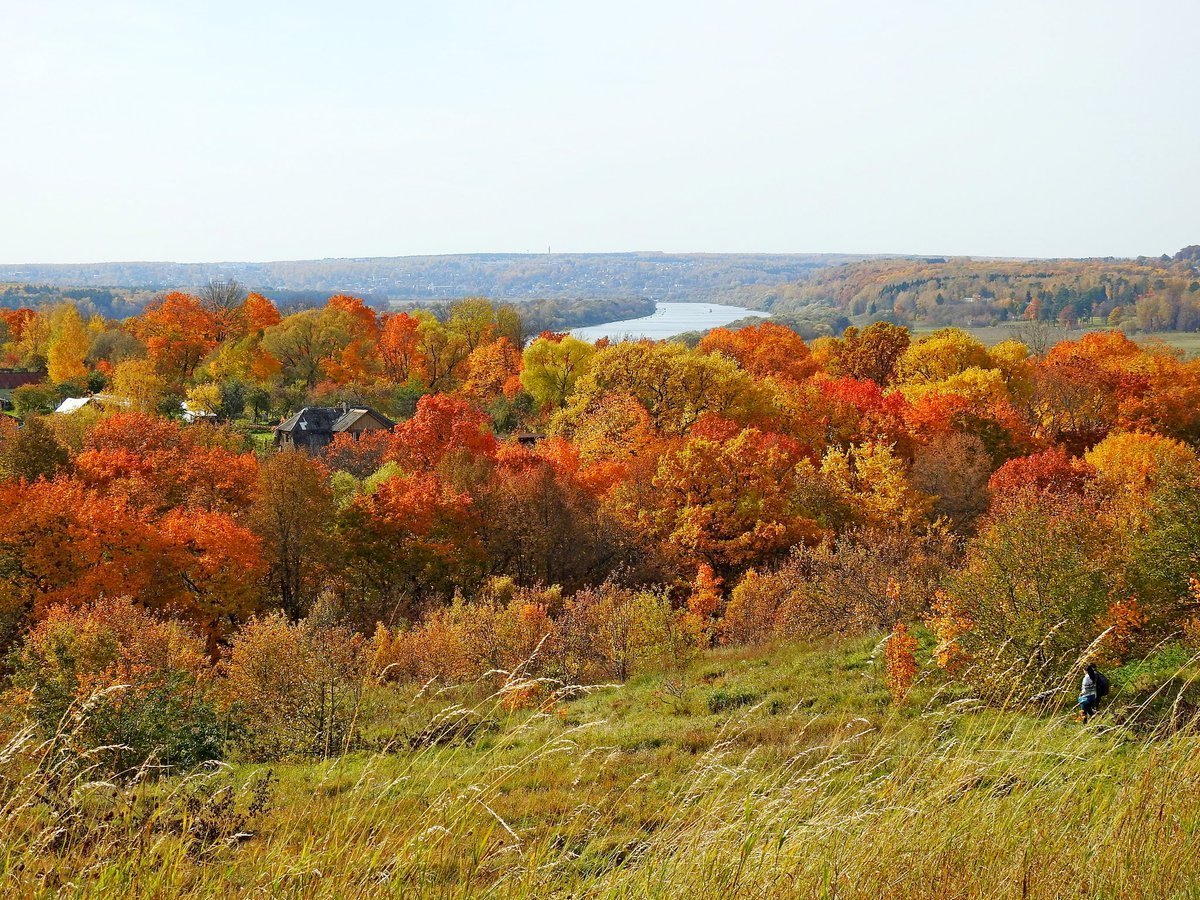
[258, 130]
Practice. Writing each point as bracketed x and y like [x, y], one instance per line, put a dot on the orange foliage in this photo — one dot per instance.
[361, 314]
[900, 658]
[157, 464]
[113, 642]
[489, 368]
[62, 544]
[1123, 620]
[178, 333]
[17, 320]
[259, 313]
[220, 565]
[412, 533]
[1051, 471]
[948, 623]
[726, 502]
[400, 348]
[705, 606]
[442, 425]
[500, 633]
[763, 350]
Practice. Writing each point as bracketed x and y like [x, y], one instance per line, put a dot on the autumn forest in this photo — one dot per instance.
[535, 523]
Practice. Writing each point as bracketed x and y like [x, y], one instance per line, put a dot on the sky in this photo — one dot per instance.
[260, 130]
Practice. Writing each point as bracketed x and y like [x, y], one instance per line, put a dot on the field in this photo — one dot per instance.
[1187, 341]
[778, 772]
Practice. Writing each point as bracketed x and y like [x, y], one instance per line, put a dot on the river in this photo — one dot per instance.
[668, 320]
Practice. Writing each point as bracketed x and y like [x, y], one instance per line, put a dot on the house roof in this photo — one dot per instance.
[352, 416]
[328, 420]
[74, 404]
[311, 420]
[196, 410]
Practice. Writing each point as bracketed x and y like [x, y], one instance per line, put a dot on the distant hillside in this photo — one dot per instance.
[506, 276]
[1154, 294]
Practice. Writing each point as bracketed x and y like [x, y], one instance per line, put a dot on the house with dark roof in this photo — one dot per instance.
[315, 427]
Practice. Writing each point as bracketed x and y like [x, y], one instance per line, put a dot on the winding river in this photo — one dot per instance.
[668, 320]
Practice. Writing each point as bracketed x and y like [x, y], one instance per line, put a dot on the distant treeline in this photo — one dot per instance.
[544, 314]
[110, 302]
[1160, 294]
[658, 276]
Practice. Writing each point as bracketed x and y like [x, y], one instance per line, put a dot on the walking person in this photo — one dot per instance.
[1092, 691]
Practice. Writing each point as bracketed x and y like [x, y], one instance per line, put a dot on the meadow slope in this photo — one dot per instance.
[785, 771]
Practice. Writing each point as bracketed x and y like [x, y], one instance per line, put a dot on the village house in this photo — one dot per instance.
[193, 412]
[96, 401]
[315, 427]
[10, 379]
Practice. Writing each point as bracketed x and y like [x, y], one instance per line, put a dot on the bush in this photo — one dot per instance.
[138, 685]
[751, 614]
[1031, 594]
[31, 452]
[864, 581]
[612, 633]
[294, 689]
[500, 632]
[34, 398]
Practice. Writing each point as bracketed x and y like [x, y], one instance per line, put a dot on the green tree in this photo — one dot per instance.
[305, 341]
[551, 369]
[32, 451]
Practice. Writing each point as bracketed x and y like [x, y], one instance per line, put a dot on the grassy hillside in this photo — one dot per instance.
[778, 772]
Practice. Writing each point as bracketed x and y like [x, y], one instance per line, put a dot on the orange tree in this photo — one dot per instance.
[178, 333]
[414, 538]
[726, 496]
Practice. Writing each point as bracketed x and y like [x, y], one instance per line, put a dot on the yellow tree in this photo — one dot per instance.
[876, 484]
[489, 368]
[138, 382]
[676, 385]
[68, 346]
[205, 398]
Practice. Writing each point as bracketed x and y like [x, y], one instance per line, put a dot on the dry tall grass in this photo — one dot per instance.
[950, 801]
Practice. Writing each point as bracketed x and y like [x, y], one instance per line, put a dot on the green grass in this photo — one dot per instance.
[784, 771]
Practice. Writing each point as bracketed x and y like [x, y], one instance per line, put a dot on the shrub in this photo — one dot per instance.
[294, 689]
[138, 685]
[500, 632]
[34, 398]
[900, 658]
[1034, 586]
[863, 581]
[612, 633]
[31, 452]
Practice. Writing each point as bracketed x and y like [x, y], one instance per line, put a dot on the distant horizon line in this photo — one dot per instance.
[549, 253]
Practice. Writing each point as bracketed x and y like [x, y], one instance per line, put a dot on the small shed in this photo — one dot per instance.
[315, 427]
[194, 412]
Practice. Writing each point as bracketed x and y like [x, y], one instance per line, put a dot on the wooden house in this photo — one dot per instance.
[315, 427]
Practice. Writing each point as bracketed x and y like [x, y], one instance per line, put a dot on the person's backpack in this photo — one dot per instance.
[1101, 684]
